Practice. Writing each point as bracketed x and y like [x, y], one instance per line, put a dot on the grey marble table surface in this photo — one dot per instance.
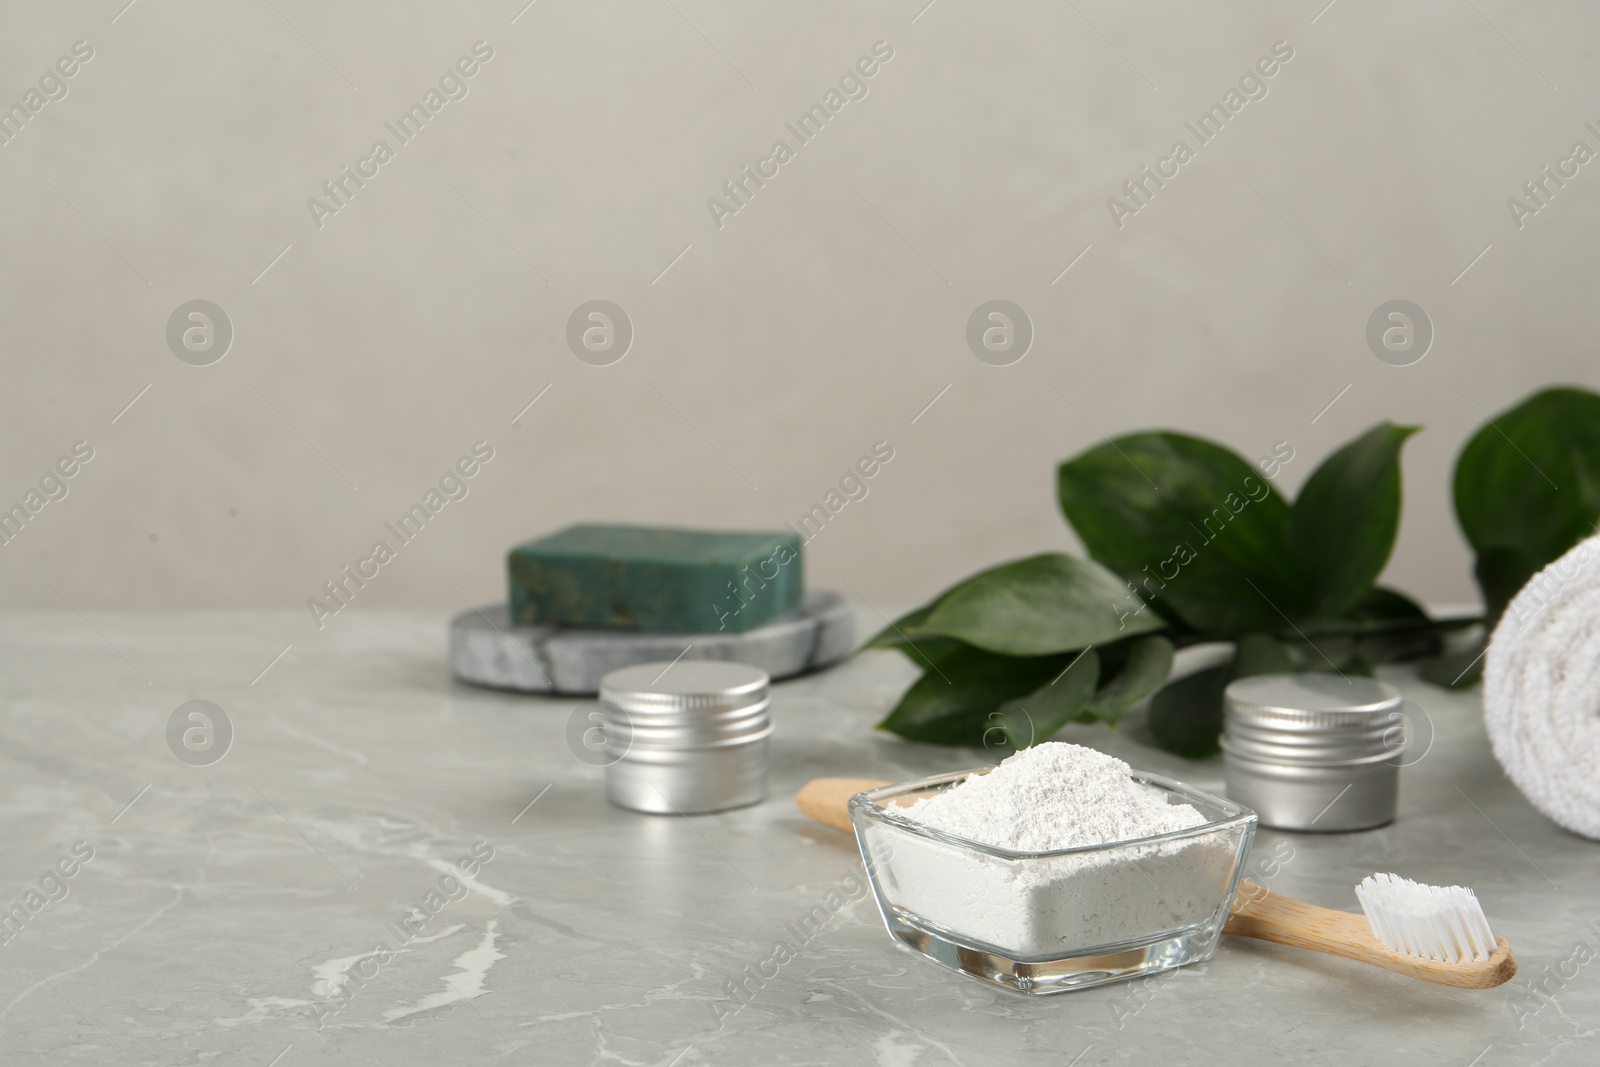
[251, 911]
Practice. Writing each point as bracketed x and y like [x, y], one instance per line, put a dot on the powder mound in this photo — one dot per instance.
[1051, 796]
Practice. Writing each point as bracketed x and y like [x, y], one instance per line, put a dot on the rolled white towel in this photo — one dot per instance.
[1541, 698]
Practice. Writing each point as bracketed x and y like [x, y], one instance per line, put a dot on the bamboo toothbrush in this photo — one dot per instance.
[1438, 935]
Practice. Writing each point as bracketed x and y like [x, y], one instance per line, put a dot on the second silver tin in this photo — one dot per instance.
[1316, 752]
[686, 737]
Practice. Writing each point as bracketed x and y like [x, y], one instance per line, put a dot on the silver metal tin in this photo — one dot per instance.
[686, 737]
[1316, 752]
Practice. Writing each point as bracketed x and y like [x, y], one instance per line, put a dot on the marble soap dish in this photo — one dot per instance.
[487, 649]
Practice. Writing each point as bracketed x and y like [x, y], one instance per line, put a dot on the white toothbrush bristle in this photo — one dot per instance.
[1434, 922]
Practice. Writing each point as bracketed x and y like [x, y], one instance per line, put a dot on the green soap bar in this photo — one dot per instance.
[655, 579]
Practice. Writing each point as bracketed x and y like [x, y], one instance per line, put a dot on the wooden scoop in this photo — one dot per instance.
[1257, 912]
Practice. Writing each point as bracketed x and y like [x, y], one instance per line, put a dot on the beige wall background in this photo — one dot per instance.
[771, 353]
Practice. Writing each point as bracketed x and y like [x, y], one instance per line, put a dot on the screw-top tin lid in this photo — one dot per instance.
[706, 687]
[1313, 718]
[1328, 698]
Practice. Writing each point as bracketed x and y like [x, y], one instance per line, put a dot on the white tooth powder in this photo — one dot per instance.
[1048, 797]
[1053, 796]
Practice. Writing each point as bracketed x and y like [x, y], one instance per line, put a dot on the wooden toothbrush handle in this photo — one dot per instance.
[1266, 916]
[827, 800]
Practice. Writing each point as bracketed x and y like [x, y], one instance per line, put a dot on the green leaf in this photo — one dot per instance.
[1199, 533]
[926, 652]
[1040, 605]
[1029, 719]
[1527, 488]
[1382, 604]
[1186, 716]
[906, 626]
[903, 636]
[1461, 669]
[954, 703]
[1148, 663]
[898, 631]
[1260, 654]
[1343, 524]
[1401, 629]
[1502, 572]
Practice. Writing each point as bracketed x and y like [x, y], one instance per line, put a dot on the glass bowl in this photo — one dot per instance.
[1052, 922]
